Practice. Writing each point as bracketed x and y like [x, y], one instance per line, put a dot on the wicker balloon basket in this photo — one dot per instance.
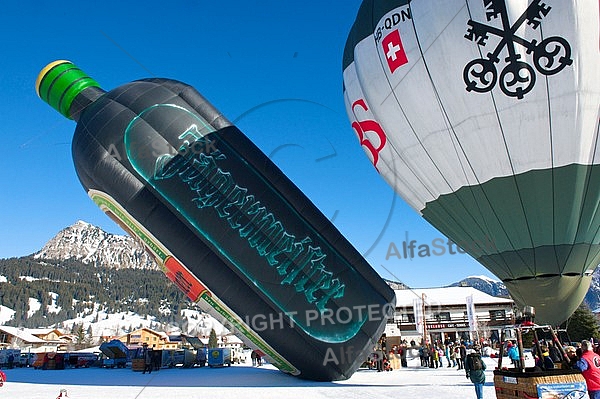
[138, 364]
[514, 384]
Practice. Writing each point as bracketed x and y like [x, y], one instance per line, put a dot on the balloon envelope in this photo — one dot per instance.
[223, 222]
[484, 116]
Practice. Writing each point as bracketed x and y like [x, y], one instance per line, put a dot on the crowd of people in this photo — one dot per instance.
[461, 355]
[383, 360]
[548, 356]
[584, 357]
[431, 355]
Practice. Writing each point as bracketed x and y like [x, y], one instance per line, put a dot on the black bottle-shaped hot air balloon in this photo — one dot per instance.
[223, 222]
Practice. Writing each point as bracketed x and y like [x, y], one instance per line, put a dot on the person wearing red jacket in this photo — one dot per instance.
[589, 364]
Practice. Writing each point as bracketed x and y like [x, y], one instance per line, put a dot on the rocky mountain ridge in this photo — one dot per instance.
[91, 245]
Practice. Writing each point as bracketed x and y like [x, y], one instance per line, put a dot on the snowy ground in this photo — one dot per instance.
[240, 381]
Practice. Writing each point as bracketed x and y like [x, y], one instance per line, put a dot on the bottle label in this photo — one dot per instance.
[186, 281]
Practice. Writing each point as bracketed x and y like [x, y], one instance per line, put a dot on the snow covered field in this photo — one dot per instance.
[240, 381]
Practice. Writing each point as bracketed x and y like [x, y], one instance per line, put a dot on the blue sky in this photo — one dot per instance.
[272, 67]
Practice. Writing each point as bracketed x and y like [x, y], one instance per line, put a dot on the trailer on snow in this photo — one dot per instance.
[116, 354]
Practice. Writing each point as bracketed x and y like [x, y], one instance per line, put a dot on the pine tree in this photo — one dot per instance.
[212, 339]
[79, 335]
[89, 338]
[582, 324]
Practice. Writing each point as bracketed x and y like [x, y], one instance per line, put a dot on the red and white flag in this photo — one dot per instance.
[394, 50]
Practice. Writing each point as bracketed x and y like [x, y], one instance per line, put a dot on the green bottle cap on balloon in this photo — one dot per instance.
[60, 82]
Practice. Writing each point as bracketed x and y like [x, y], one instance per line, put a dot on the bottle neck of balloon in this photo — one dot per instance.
[83, 99]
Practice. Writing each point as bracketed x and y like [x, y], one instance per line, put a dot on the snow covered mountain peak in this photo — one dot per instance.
[92, 245]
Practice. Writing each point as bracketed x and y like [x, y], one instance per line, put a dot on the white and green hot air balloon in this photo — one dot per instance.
[483, 115]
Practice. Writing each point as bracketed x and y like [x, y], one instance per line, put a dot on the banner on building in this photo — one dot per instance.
[419, 316]
[471, 316]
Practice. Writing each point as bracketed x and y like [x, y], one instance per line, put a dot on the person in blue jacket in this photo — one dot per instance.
[513, 355]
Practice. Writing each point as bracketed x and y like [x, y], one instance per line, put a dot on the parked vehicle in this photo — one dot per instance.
[80, 359]
[27, 359]
[201, 356]
[219, 357]
[51, 361]
[9, 358]
[200, 349]
[178, 358]
[38, 362]
[116, 354]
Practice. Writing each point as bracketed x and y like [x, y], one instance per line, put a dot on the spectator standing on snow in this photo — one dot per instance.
[453, 355]
[424, 352]
[148, 364]
[513, 355]
[403, 350]
[441, 355]
[589, 364]
[448, 352]
[461, 355]
[475, 370]
[434, 357]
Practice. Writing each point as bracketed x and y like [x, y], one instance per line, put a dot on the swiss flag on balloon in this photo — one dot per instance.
[394, 50]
